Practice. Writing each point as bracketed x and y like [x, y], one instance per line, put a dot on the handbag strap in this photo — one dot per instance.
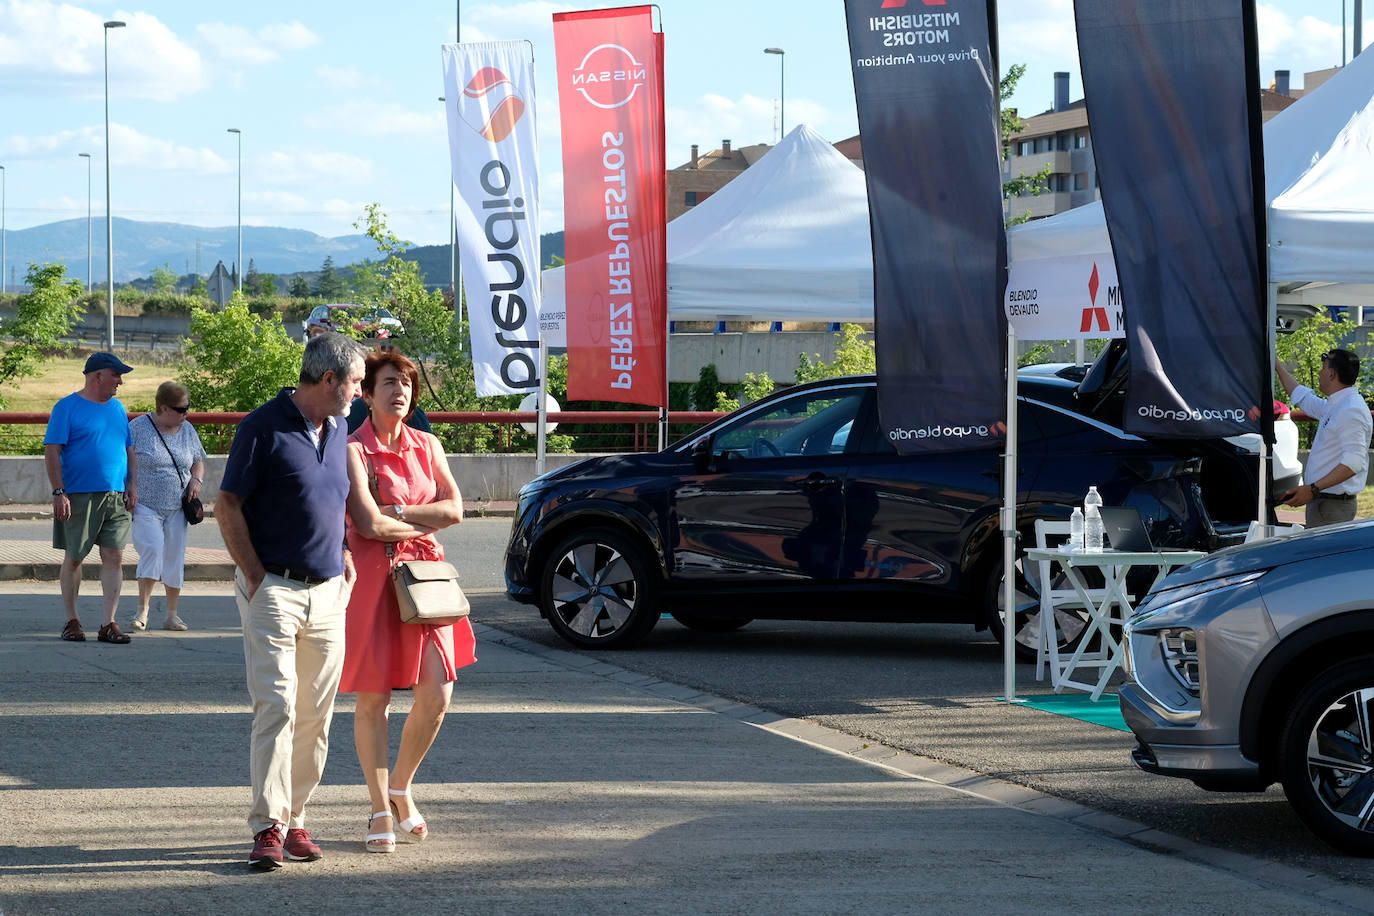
[375, 490]
[175, 466]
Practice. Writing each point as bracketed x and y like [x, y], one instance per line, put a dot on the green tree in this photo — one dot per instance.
[1301, 352]
[755, 386]
[328, 285]
[269, 284]
[201, 288]
[298, 288]
[236, 359]
[42, 317]
[252, 280]
[853, 356]
[706, 389]
[1011, 126]
[164, 280]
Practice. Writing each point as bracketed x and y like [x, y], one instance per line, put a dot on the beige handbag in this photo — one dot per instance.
[427, 591]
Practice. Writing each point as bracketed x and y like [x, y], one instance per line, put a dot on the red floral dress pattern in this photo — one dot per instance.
[380, 652]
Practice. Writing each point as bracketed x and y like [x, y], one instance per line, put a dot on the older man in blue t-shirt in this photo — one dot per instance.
[90, 460]
[281, 511]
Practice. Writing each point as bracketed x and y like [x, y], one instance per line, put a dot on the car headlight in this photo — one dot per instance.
[1165, 598]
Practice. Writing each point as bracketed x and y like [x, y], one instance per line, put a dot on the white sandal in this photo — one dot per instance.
[379, 842]
[413, 826]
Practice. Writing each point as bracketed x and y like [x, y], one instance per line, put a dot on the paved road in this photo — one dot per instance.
[558, 784]
[928, 689]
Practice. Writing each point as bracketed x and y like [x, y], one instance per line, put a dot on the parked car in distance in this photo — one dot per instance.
[371, 322]
[1255, 665]
[796, 507]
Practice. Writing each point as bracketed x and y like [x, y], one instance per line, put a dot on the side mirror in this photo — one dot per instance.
[702, 459]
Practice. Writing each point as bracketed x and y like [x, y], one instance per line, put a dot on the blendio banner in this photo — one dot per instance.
[610, 93]
[926, 86]
[489, 92]
[1074, 298]
[1181, 175]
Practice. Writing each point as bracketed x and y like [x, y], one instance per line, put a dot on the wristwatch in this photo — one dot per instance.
[400, 512]
[59, 492]
[1315, 490]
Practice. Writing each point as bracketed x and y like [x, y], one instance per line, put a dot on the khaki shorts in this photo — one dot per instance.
[97, 518]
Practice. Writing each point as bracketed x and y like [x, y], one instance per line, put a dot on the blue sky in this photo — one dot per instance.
[340, 110]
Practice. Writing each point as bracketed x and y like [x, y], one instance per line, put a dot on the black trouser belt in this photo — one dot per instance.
[295, 575]
[1335, 496]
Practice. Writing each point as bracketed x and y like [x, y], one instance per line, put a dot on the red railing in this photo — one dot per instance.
[629, 430]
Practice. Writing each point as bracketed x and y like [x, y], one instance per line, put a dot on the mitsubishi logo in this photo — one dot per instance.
[1095, 312]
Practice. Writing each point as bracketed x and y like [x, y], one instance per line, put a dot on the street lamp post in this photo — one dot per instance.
[109, 222]
[2, 229]
[239, 134]
[89, 234]
[452, 234]
[782, 88]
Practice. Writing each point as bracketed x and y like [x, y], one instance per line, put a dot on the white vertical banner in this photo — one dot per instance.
[489, 93]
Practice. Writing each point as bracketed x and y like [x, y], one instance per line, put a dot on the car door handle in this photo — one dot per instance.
[816, 481]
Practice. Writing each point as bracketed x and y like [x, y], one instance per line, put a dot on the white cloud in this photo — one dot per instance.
[130, 149]
[508, 21]
[293, 166]
[47, 47]
[238, 45]
[1297, 45]
[340, 77]
[380, 119]
[712, 118]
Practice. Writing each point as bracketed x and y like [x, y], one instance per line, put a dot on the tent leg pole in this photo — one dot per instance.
[1271, 334]
[542, 423]
[1009, 530]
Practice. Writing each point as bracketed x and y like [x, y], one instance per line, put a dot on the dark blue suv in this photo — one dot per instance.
[796, 507]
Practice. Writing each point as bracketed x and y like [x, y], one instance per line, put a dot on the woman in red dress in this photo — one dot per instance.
[414, 496]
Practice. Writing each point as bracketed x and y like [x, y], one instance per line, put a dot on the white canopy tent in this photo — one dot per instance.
[786, 240]
[1318, 156]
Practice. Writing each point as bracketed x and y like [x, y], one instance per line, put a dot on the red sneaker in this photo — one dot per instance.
[300, 848]
[266, 854]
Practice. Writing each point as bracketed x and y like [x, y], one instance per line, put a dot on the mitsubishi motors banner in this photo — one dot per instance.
[1065, 298]
[926, 85]
[610, 94]
[489, 88]
[1170, 89]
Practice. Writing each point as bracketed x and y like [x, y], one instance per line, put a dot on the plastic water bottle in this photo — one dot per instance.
[1092, 521]
[1076, 530]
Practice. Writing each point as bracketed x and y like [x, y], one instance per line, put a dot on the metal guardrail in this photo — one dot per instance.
[624, 430]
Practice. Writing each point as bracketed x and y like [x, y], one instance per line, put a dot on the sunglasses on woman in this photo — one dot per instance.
[179, 409]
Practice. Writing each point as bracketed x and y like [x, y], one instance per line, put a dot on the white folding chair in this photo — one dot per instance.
[1053, 600]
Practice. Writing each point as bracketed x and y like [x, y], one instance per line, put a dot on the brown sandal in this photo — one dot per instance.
[110, 632]
[72, 632]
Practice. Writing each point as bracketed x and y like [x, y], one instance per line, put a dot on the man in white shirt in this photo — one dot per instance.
[1339, 460]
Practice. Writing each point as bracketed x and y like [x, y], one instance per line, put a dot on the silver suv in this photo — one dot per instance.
[1255, 665]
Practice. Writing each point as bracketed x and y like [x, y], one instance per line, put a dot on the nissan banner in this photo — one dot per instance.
[610, 93]
[926, 86]
[1182, 181]
[489, 92]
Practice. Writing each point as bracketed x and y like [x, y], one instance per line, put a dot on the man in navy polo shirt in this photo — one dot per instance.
[281, 511]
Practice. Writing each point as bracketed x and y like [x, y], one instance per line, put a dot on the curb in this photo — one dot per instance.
[90, 572]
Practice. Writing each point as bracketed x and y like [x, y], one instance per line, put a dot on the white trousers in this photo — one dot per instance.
[160, 539]
[293, 651]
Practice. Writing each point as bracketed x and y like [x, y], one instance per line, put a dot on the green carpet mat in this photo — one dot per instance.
[1105, 712]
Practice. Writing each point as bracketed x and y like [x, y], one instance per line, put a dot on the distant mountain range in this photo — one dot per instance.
[142, 246]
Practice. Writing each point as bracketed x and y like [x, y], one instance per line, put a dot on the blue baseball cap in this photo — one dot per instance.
[97, 361]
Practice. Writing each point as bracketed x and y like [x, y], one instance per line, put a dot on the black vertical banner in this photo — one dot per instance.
[1173, 103]
[925, 80]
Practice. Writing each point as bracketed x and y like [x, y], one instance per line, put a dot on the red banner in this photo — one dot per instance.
[610, 92]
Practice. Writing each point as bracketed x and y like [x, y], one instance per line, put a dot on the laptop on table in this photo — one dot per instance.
[1125, 530]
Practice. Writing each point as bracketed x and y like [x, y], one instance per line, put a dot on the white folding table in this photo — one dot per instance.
[1112, 606]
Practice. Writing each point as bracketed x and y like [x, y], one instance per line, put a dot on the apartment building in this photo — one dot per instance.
[701, 176]
[1060, 138]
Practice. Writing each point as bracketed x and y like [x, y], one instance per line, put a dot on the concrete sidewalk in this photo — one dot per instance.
[32, 556]
[560, 783]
